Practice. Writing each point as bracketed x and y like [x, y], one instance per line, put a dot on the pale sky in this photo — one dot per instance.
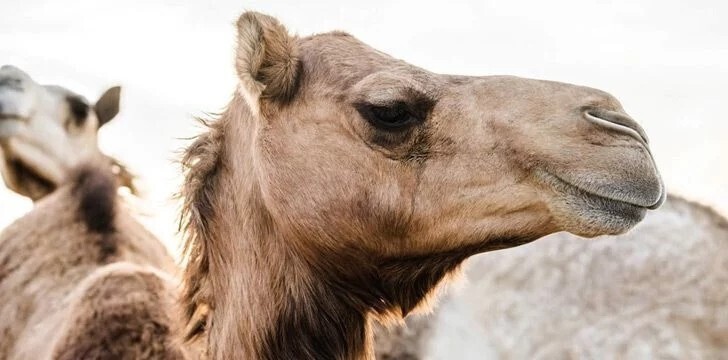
[665, 60]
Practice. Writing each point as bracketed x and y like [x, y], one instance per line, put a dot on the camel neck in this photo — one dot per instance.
[269, 305]
[268, 300]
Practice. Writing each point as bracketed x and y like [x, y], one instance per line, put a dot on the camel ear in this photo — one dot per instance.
[266, 58]
[107, 107]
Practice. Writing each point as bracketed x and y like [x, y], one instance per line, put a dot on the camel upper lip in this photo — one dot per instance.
[607, 196]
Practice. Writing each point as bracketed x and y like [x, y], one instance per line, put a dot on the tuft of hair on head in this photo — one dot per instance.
[95, 189]
[266, 58]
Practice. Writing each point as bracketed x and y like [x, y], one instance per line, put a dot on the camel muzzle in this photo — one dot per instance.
[16, 99]
[621, 123]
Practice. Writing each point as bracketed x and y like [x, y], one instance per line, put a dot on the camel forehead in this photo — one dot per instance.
[13, 79]
[61, 92]
[23, 96]
[340, 58]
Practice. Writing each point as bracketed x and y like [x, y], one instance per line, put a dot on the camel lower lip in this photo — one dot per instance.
[26, 173]
[576, 190]
[587, 214]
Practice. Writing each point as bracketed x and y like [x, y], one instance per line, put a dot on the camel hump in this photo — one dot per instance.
[694, 210]
[95, 190]
[121, 313]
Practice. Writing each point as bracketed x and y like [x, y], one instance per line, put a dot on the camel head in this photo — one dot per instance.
[352, 144]
[341, 182]
[45, 131]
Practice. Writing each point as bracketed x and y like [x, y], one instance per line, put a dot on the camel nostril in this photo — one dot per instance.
[617, 122]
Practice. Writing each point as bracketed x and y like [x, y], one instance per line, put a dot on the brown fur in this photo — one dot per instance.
[311, 211]
[81, 279]
[96, 194]
[122, 314]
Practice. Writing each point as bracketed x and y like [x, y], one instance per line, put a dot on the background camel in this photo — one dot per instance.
[79, 277]
[655, 292]
[341, 185]
[48, 130]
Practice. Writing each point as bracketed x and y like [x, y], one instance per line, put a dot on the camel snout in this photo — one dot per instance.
[12, 78]
[16, 95]
[11, 110]
[653, 194]
[653, 191]
[661, 200]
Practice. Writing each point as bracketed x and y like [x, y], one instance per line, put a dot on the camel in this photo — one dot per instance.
[54, 129]
[342, 186]
[79, 277]
[655, 292]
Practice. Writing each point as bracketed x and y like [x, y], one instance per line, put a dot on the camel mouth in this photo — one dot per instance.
[607, 198]
[11, 117]
[589, 213]
[26, 177]
[11, 120]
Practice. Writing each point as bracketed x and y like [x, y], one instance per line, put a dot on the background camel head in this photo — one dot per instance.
[46, 130]
[351, 143]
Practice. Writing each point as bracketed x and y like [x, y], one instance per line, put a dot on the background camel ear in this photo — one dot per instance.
[107, 106]
[266, 59]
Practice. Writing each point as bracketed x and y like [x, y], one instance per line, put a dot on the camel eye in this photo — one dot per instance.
[390, 117]
[78, 111]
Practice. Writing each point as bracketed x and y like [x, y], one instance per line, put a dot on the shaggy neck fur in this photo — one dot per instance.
[274, 294]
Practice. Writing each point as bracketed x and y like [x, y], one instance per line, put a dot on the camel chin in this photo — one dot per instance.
[590, 213]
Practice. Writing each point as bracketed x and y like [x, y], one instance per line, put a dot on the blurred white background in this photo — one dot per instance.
[666, 60]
